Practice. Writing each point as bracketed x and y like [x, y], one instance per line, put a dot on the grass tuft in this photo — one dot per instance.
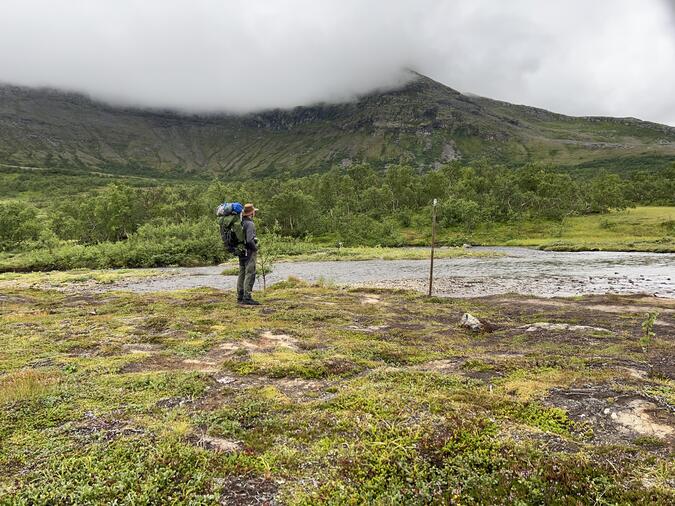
[26, 384]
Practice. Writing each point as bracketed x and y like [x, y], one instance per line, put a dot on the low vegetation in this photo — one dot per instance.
[631, 229]
[330, 396]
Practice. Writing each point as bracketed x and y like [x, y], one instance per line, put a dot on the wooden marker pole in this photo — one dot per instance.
[433, 245]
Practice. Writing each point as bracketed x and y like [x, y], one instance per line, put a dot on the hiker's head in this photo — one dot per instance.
[249, 210]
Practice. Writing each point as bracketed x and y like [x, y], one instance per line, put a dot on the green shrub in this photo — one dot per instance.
[19, 223]
[148, 472]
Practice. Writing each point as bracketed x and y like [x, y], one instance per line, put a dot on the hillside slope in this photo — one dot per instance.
[424, 123]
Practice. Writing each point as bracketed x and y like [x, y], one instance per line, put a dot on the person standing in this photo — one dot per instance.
[247, 260]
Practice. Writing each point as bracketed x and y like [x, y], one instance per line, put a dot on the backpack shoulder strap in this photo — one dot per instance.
[239, 230]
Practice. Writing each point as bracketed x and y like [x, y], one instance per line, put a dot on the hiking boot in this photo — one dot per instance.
[240, 297]
[250, 302]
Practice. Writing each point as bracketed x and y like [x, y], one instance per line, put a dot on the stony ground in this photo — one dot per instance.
[332, 395]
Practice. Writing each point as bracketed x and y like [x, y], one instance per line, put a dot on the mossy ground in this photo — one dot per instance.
[336, 396]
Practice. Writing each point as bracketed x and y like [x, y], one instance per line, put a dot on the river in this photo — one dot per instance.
[517, 270]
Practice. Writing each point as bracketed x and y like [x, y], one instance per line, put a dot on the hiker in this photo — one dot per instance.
[248, 258]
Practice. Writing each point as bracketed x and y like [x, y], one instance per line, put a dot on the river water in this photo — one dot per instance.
[516, 270]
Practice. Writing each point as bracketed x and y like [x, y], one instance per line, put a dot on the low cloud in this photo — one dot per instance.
[607, 57]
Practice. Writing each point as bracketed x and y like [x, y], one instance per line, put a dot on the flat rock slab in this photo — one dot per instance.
[638, 416]
[616, 417]
[218, 444]
[533, 327]
[367, 329]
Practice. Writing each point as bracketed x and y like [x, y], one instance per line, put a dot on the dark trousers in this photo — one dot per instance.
[246, 277]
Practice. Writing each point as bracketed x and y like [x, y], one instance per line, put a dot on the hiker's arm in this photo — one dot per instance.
[251, 241]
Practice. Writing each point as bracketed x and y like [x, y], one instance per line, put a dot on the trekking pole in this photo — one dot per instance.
[433, 245]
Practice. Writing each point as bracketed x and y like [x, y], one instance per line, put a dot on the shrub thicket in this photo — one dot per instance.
[117, 225]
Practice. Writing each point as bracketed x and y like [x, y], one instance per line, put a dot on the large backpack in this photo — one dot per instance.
[231, 230]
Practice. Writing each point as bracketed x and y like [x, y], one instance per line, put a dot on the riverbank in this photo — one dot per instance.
[320, 253]
[649, 229]
[328, 395]
[638, 229]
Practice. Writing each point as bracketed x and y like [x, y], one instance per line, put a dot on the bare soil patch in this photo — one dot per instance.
[296, 389]
[212, 361]
[370, 298]
[616, 417]
[445, 366]
[267, 342]
[248, 490]
[107, 428]
[157, 362]
[141, 348]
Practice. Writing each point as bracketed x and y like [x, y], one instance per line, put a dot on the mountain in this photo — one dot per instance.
[424, 123]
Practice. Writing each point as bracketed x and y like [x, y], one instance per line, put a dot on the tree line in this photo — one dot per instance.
[357, 205]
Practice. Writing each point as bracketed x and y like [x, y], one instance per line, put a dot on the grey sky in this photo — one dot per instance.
[601, 57]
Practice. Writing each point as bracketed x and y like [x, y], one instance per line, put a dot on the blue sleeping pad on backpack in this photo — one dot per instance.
[226, 209]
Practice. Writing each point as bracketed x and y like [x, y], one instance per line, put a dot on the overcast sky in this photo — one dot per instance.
[580, 57]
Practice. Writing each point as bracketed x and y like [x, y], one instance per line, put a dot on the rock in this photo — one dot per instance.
[219, 444]
[638, 416]
[635, 373]
[471, 322]
[450, 153]
[561, 326]
[466, 246]
[369, 328]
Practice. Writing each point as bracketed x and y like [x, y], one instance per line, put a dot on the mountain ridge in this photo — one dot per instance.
[422, 123]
